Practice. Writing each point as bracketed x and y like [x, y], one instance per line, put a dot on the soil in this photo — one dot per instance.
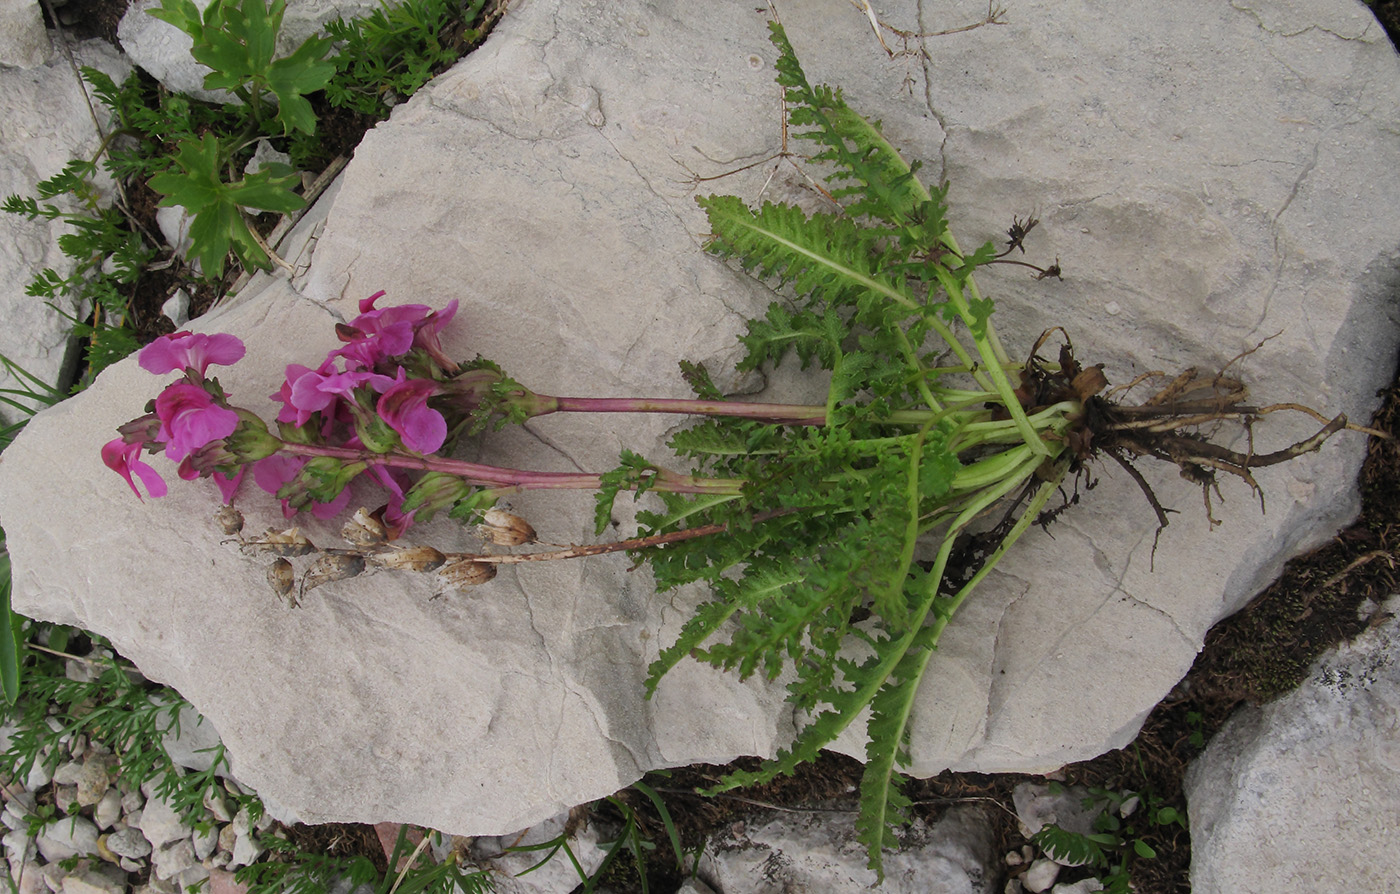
[1248, 659]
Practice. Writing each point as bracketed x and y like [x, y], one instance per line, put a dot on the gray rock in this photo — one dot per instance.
[176, 308]
[1207, 180]
[91, 883]
[53, 877]
[31, 879]
[67, 773]
[19, 850]
[95, 779]
[129, 843]
[194, 741]
[1299, 794]
[1038, 804]
[164, 50]
[161, 824]
[108, 809]
[217, 805]
[23, 41]
[508, 869]
[65, 798]
[818, 852]
[72, 836]
[205, 841]
[44, 122]
[246, 848]
[193, 878]
[1040, 876]
[132, 801]
[171, 860]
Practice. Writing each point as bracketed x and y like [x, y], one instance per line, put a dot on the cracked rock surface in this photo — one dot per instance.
[1207, 179]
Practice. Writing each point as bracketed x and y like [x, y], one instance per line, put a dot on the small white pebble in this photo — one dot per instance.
[1041, 875]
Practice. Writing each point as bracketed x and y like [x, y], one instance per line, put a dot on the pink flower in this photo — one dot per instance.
[123, 458]
[377, 334]
[227, 486]
[404, 407]
[190, 350]
[189, 419]
[396, 521]
[308, 391]
[426, 335]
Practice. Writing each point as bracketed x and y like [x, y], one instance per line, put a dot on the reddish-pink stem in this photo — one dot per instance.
[517, 479]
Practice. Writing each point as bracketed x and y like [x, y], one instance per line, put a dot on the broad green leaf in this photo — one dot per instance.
[266, 191]
[291, 77]
[196, 184]
[183, 14]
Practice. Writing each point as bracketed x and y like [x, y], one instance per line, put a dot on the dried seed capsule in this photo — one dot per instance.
[364, 530]
[505, 529]
[463, 574]
[281, 576]
[331, 568]
[230, 520]
[290, 542]
[413, 558]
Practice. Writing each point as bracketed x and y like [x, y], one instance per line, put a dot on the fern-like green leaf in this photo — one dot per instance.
[885, 185]
[1073, 848]
[698, 378]
[633, 473]
[883, 805]
[825, 256]
[809, 334]
[710, 617]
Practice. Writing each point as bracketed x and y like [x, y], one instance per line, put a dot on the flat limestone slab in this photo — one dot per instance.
[547, 183]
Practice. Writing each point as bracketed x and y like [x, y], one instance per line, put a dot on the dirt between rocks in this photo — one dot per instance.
[1252, 657]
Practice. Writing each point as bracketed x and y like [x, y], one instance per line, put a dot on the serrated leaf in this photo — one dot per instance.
[1069, 848]
[823, 256]
[886, 186]
[633, 473]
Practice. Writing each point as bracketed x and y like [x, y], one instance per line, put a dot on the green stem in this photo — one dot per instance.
[993, 365]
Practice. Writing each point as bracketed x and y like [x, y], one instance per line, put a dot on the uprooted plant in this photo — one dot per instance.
[932, 441]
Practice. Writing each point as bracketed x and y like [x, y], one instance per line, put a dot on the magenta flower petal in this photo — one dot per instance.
[427, 335]
[367, 304]
[288, 413]
[396, 521]
[122, 458]
[377, 334]
[228, 486]
[308, 391]
[189, 419]
[333, 508]
[190, 350]
[404, 407]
